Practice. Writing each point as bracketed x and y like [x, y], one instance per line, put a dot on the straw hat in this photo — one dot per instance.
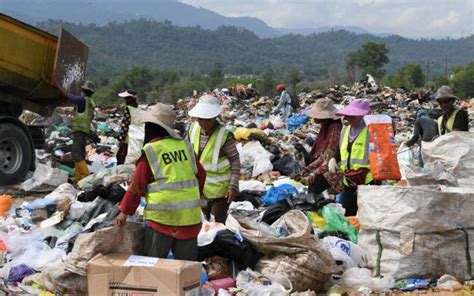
[128, 93]
[444, 93]
[207, 107]
[162, 115]
[323, 109]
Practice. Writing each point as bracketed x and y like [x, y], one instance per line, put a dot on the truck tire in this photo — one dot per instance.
[15, 154]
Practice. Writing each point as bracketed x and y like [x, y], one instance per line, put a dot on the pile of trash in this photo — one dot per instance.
[278, 239]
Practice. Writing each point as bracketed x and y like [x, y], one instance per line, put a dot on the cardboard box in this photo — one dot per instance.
[129, 275]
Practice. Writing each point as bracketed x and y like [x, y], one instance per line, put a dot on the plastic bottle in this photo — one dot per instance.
[207, 290]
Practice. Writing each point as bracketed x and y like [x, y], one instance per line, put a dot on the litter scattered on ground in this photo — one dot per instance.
[278, 239]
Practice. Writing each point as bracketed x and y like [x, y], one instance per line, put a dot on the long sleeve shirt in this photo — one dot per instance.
[229, 149]
[425, 128]
[137, 188]
[284, 105]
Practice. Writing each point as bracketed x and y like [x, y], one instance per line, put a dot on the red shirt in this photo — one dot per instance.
[138, 186]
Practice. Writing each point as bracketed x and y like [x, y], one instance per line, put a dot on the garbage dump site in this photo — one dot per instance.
[413, 228]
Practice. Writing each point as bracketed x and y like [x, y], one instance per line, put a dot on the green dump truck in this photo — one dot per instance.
[34, 66]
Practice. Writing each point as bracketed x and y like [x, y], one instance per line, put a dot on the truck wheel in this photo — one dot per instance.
[15, 154]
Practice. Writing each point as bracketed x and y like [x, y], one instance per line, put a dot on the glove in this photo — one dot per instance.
[332, 166]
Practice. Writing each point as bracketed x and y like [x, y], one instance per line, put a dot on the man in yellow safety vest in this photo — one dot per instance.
[453, 119]
[171, 179]
[81, 125]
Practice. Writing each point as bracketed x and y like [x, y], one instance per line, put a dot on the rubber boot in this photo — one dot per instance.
[81, 170]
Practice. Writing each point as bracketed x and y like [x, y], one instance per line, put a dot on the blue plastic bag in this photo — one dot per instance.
[295, 121]
[279, 193]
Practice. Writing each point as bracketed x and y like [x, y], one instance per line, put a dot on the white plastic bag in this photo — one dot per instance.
[45, 179]
[405, 158]
[136, 136]
[354, 278]
[208, 232]
[349, 253]
[253, 153]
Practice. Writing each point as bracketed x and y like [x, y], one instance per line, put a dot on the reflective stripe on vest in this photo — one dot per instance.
[359, 153]
[449, 123]
[82, 120]
[173, 198]
[218, 169]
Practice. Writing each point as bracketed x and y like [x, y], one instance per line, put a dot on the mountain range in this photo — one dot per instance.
[101, 12]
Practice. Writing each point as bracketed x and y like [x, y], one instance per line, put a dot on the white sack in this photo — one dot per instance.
[45, 179]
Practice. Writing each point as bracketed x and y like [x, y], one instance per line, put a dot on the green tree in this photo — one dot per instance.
[294, 77]
[440, 81]
[463, 81]
[409, 76]
[139, 78]
[370, 59]
[267, 85]
[216, 75]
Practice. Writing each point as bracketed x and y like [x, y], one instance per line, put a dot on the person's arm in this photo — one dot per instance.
[201, 175]
[230, 150]
[461, 122]
[79, 101]
[137, 188]
[416, 134]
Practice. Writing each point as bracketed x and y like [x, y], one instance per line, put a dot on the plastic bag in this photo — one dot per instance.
[136, 136]
[287, 166]
[5, 204]
[256, 284]
[405, 158]
[18, 273]
[354, 278]
[278, 193]
[253, 154]
[242, 133]
[382, 149]
[336, 222]
[295, 121]
[349, 253]
[277, 121]
[208, 232]
[44, 179]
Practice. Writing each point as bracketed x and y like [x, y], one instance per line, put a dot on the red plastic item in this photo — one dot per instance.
[224, 283]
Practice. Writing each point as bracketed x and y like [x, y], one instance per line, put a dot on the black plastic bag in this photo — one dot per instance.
[227, 245]
[287, 166]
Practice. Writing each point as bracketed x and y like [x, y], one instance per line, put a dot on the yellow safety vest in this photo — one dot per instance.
[218, 169]
[173, 198]
[82, 120]
[449, 123]
[359, 153]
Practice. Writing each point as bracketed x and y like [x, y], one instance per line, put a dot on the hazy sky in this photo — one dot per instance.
[409, 18]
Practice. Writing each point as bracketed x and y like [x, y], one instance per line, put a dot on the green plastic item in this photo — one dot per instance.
[335, 222]
[71, 172]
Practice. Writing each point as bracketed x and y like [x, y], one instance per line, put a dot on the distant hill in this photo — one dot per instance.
[117, 46]
[101, 12]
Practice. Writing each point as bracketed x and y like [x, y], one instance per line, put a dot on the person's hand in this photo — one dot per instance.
[231, 194]
[121, 219]
[332, 166]
[311, 178]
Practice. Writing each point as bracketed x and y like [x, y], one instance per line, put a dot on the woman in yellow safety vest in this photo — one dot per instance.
[354, 153]
[217, 152]
[453, 119]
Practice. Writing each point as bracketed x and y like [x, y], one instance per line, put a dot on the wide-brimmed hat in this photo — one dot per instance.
[162, 115]
[323, 109]
[359, 107]
[128, 93]
[445, 92]
[89, 85]
[207, 107]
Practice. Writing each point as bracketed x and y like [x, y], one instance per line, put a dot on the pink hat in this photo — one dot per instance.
[357, 107]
